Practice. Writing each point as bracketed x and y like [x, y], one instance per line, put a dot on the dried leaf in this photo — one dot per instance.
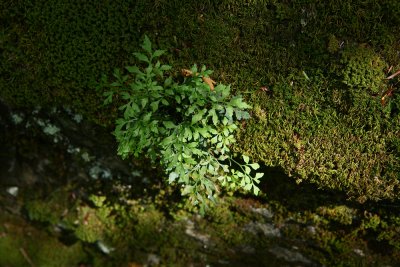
[186, 73]
[210, 82]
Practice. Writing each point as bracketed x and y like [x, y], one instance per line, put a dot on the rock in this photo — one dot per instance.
[288, 255]
[13, 190]
[104, 248]
[264, 212]
[190, 231]
[311, 230]
[359, 252]
[153, 260]
[268, 230]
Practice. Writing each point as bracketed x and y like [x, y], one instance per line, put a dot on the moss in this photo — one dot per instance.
[362, 68]
[341, 214]
[329, 129]
[48, 210]
[251, 45]
[136, 230]
[333, 44]
[23, 245]
[332, 137]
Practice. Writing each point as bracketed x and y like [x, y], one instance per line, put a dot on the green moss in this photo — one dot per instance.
[362, 68]
[341, 214]
[23, 245]
[333, 44]
[48, 210]
[329, 129]
[338, 138]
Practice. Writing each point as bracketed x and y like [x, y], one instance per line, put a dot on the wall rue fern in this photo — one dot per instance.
[187, 126]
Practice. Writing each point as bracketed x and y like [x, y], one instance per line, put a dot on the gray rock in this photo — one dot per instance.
[264, 212]
[267, 229]
[288, 255]
[190, 231]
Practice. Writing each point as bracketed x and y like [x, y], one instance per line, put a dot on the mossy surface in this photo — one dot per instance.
[323, 113]
[21, 244]
[313, 69]
[97, 221]
[339, 235]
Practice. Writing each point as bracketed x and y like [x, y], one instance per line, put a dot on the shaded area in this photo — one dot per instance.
[137, 219]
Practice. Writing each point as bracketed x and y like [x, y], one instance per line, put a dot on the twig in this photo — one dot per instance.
[393, 75]
[23, 252]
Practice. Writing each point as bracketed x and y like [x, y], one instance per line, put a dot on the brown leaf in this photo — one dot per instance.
[210, 82]
[186, 73]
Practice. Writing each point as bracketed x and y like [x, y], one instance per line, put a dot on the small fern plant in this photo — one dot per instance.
[185, 126]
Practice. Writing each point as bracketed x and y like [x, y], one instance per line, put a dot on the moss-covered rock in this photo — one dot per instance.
[318, 125]
[21, 244]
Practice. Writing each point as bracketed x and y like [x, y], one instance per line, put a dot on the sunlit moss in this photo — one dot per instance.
[362, 68]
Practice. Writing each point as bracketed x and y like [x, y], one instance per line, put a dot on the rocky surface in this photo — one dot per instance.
[59, 175]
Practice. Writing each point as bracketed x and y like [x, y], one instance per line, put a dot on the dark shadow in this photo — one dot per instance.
[278, 186]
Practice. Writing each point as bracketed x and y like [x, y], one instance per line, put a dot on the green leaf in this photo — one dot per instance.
[109, 96]
[165, 67]
[247, 179]
[133, 69]
[194, 69]
[242, 114]
[229, 112]
[247, 187]
[256, 190]
[245, 115]
[211, 168]
[115, 84]
[204, 132]
[146, 118]
[214, 117]
[188, 134]
[125, 95]
[238, 102]
[172, 177]
[196, 135]
[247, 169]
[144, 102]
[197, 117]
[188, 189]
[191, 109]
[169, 124]
[259, 175]
[246, 159]
[226, 132]
[158, 53]
[117, 73]
[255, 166]
[142, 57]
[135, 107]
[164, 102]
[154, 106]
[146, 44]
